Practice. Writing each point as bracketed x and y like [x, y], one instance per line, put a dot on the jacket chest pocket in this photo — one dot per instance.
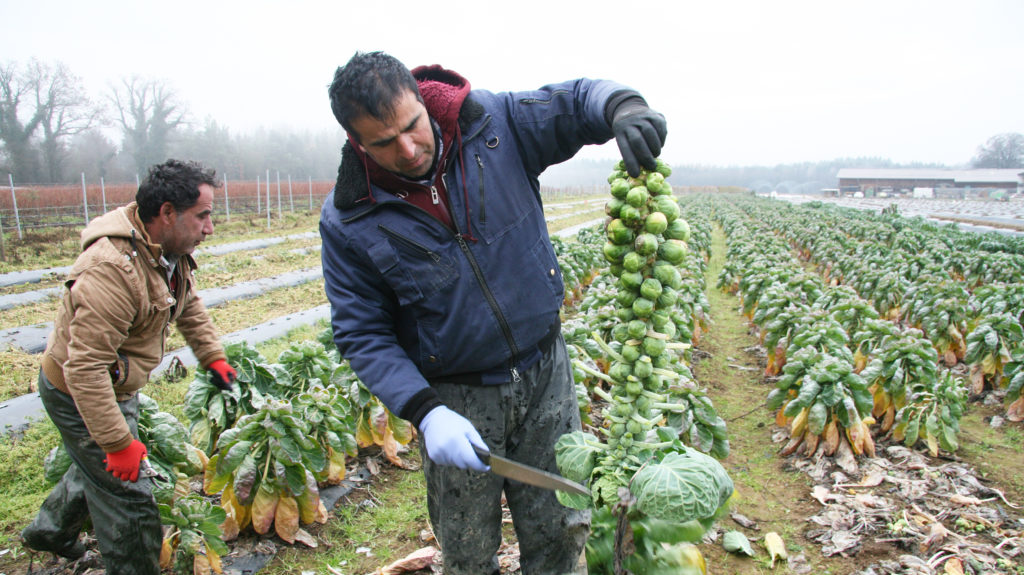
[157, 314]
[503, 202]
[413, 270]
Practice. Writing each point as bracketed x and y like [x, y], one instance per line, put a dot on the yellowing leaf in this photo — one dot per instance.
[775, 545]
[379, 423]
[831, 437]
[1016, 410]
[336, 467]
[201, 565]
[286, 520]
[264, 505]
[214, 559]
[166, 552]
[954, 566]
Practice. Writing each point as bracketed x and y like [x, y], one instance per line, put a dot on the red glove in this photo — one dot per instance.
[124, 464]
[222, 374]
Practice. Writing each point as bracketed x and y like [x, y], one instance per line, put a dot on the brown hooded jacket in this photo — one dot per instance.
[112, 323]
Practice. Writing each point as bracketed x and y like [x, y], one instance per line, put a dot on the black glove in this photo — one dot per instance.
[640, 133]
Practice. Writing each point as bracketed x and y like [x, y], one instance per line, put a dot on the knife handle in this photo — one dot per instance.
[483, 454]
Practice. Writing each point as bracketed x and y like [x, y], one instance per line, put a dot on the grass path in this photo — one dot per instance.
[775, 497]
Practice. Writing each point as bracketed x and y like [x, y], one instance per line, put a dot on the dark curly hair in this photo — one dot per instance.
[173, 181]
[370, 83]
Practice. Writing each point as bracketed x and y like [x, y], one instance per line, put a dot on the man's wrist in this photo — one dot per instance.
[628, 98]
[420, 405]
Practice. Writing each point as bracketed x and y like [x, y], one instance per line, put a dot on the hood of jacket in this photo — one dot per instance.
[446, 97]
[124, 222]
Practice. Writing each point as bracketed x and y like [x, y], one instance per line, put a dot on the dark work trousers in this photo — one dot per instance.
[522, 421]
[124, 515]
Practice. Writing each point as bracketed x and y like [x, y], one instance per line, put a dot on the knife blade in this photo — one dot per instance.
[531, 475]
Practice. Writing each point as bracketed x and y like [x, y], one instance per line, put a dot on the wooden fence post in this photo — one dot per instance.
[14, 198]
[85, 200]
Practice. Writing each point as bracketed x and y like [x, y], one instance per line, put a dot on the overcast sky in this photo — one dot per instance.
[740, 82]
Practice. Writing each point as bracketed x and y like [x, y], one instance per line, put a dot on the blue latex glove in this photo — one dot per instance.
[449, 439]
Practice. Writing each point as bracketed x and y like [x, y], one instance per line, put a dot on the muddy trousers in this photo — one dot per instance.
[522, 421]
[124, 515]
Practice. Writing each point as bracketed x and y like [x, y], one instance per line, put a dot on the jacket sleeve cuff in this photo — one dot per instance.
[420, 405]
[618, 98]
[118, 445]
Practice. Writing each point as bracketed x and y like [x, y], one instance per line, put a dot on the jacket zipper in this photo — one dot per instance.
[491, 300]
[422, 249]
[480, 174]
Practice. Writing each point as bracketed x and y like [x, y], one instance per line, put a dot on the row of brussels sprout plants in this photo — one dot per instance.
[264, 449]
[863, 347]
[634, 305]
[963, 290]
[648, 452]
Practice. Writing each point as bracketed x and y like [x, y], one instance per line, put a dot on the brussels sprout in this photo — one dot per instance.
[631, 280]
[619, 233]
[653, 346]
[637, 196]
[655, 223]
[663, 168]
[672, 251]
[646, 244]
[625, 314]
[614, 252]
[668, 206]
[668, 297]
[642, 367]
[633, 261]
[679, 229]
[613, 207]
[660, 317]
[620, 333]
[650, 289]
[634, 387]
[633, 426]
[620, 370]
[630, 352]
[643, 307]
[620, 187]
[625, 297]
[637, 329]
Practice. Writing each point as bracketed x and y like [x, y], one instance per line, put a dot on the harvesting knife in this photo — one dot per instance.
[531, 475]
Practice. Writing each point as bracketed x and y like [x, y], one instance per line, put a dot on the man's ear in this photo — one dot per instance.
[167, 211]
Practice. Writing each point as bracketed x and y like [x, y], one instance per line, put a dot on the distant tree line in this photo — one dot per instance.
[52, 131]
[1004, 151]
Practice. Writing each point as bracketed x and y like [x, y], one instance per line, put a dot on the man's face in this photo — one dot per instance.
[191, 226]
[403, 144]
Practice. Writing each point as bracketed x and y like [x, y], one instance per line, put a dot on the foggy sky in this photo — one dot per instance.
[741, 82]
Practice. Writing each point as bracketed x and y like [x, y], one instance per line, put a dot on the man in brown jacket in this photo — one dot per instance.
[132, 279]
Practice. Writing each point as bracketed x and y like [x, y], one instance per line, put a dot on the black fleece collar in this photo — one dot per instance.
[350, 189]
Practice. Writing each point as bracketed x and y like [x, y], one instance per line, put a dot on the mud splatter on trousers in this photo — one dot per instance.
[124, 515]
[522, 421]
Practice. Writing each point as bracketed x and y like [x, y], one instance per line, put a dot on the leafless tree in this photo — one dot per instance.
[1001, 151]
[65, 111]
[16, 133]
[148, 113]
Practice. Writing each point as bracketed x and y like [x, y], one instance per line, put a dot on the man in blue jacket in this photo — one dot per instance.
[445, 290]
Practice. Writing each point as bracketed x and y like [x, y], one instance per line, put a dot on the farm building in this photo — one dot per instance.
[959, 184]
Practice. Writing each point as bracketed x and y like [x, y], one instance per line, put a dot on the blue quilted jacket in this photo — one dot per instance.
[415, 301]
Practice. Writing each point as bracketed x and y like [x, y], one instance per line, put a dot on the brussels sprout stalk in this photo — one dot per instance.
[606, 348]
[603, 394]
[595, 373]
